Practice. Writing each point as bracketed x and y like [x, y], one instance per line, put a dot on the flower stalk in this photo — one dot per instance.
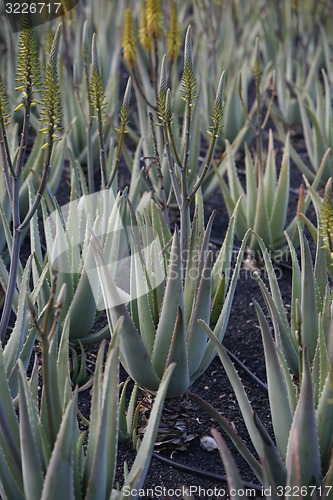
[29, 78]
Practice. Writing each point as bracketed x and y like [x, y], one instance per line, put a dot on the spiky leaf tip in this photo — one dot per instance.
[128, 40]
[174, 35]
[154, 18]
[28, 69]
[97, 96]
[326, 218]
[189, 81]
[144, 37]
[51, 99]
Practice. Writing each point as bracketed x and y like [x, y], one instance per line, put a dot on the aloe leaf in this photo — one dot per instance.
[251, 189]
[4, 278]
[235, 186]
[296, 293]
[261, 223]
[306, 130]
[232, 433]
[238, 389]
[325, 421]
[196, 338]
[59, 479]
[283, 337]
[273, 283]
[63, 374]
[305, 451]
[270, 177]
[147, 327]
[178, 355]
[134, 355]
[173, 299]
[277, 388]
[95, 415]
[82, 311]
[101, 473]
[18, 336]
[192, 264]
[309, 327]
[6, 229]
[223, 261]
[234, 480]
[31, 461]
[222, 322]
[272, 463]
[9, 427]
[277, 218]
[141, 463]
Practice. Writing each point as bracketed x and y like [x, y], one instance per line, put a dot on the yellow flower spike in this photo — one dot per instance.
[174, 35]
[154, 18]
[129, 43]
[144, 37]
[326, 217]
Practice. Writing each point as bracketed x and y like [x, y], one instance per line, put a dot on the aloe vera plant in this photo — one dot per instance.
[160, 326]
[316, 114]
[41, 452]
[301, 455]
[264, 204]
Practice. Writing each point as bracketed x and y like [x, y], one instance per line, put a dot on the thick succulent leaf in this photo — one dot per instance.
[6, 229]
[147, 326]
[270, 177]
[4, 278]
[10, 485]
[197, 338]
[272, 463]
[325, 421]
[287, 341]
[192, 262]
[235, 185]
[63, 369]
[232, 433]
[277, 387]
[296, 293]
[102, 470]
[95, 415]
[261, 222]
[305, 451]
[239, 390]
[178, 355]
[82, 310]
[309, 326]
[141, 463]
[18, 336]
[234, 480]
[283, 338]
[59, 479]
[222, 322]
[134, 354]
[223, 262]
[278, 216]
[9, 427]
[173, 299]
[251, 188]
[32, 470]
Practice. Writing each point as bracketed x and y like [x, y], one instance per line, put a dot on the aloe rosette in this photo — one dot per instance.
[161, 325]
